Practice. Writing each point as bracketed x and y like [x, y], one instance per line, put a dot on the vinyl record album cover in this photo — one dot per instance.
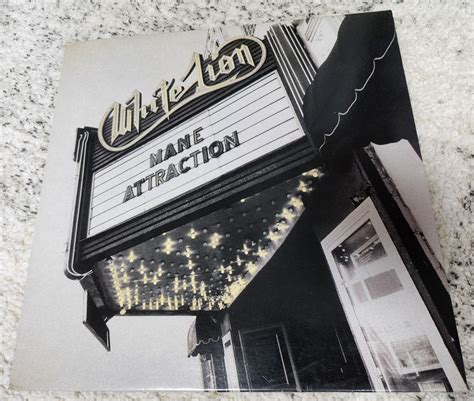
[238, 209]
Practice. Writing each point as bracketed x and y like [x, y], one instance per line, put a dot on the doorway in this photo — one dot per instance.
[267, 360]
[399, 343]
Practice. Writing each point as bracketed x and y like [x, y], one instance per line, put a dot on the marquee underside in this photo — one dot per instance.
[206, 264]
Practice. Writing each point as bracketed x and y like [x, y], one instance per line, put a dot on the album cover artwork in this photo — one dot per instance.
[238, 209]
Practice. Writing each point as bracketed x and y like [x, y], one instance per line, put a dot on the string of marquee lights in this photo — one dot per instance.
[193, 285]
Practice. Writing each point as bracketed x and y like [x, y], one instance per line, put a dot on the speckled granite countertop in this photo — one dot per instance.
[436, 44]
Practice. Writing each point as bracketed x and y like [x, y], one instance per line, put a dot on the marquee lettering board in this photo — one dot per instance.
[247, 125]
[151, 167]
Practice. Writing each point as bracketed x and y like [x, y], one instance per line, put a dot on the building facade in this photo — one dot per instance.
[216, 200]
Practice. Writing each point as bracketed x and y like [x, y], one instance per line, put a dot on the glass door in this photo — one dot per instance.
[396, 336]
[267, 360]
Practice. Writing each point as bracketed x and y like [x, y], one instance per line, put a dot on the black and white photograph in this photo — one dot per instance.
[239, 208]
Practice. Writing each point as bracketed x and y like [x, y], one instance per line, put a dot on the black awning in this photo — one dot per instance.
[359, 94]
[203, 334]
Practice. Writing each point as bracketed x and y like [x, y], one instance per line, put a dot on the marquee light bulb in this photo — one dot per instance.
[287, 214]
[202, 290]
[155, 279]
[129, 298]
[303, 187]
[272, 236]
[215, 240]
[193, 283]
[238, 261]
[245, 249]
[251, 267]
[261, 252]
[135, 296]
[315, 173]
[192, 233]
[188, 252]
[160, 272]
[169, 246]
[125, 278]
[131, 256]
[190, 264]
[142, 269]
[297, 203]
[282, 226]
[121, 299]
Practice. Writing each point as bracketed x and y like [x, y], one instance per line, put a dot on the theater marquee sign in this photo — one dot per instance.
[230, 127]
[243, 127]
[221, 71]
